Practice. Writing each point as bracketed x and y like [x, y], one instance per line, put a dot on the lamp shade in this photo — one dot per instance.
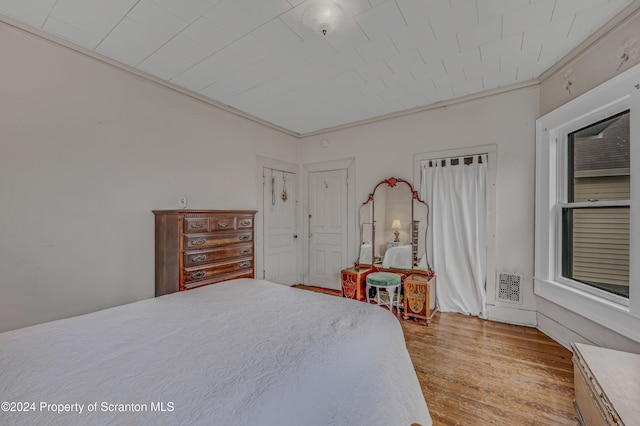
[396, 224]
[323, 16]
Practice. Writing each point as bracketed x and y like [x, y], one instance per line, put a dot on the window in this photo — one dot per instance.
[595, 215]
[587, 214]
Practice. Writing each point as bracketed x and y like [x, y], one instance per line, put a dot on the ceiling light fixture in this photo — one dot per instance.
[323, 16]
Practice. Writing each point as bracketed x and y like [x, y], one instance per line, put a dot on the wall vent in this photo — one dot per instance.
[509, 287]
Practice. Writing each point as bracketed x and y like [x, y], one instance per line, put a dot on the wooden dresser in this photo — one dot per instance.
[201, 247]
[420, 297]
[607, 386]
[353, 284]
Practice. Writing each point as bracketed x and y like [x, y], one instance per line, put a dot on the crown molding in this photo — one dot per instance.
[590, 42]
[40, 34]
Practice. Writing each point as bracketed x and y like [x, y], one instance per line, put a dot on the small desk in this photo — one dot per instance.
[387, 280]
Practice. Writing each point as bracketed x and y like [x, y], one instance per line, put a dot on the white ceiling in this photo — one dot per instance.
[388, 56]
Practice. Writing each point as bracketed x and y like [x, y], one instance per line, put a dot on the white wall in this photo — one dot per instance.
[597, 63]
[87, 151]
[594, 62]
[385, 149]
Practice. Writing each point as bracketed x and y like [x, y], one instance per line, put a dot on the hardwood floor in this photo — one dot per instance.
[477, 372]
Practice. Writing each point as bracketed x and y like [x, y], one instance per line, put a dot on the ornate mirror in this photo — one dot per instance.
[393, 227]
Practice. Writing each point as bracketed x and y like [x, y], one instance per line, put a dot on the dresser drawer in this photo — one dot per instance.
[198, 241]
[223, 223]
[199, 257]
[245, 222]
[210, 270]
[219, 278]
[194, 225]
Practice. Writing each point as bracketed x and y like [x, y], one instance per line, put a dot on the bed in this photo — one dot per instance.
[398, 257]
[241, 352]
[401, 258]
[365, 253]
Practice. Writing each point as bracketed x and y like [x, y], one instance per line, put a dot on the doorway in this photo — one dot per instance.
[329, 216]
[280, 230]
[441, 226]
[327, 227]
[277, 234]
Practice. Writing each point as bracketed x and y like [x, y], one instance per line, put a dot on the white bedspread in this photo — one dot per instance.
[365, 253]
[398, 257]
[243, 352]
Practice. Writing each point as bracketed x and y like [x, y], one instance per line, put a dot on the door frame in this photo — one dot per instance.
[272, 163]
[348, 164]
[492, 152]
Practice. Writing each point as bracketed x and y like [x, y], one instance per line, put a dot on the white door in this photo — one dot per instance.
[280, 235]
[327, 227]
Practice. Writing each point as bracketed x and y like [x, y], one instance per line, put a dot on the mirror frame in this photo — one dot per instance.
[392, 182]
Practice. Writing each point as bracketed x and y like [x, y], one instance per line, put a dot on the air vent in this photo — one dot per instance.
[509, 287]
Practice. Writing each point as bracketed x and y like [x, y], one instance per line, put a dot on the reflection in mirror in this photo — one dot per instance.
[366, 233]
[392, 204]
[393, 227]
[419, 234]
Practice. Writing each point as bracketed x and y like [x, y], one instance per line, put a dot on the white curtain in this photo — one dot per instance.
[456, 238]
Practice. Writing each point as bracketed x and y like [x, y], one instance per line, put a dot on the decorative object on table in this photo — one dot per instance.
[396, 226]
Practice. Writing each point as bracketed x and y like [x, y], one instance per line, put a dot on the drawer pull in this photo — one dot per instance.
[244, 265]
[199, 242]
[245, 237]
[199, 225]
[198, 274]
[245, 223]
[223, 224]
[199, 258]
[245, 251]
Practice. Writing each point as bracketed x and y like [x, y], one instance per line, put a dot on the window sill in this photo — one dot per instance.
[611, 315]
[594, 292]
